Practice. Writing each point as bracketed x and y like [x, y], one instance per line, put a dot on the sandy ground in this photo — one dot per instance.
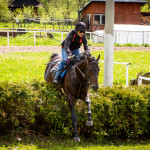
[57, 49]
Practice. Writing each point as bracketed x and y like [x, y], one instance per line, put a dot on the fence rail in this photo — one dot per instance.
[10, 33]
[140, 78]
[127, 68]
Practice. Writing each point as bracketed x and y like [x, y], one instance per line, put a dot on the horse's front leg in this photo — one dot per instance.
[74, 118]
[89, 113]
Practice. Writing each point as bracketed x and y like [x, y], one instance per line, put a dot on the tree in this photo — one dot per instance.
[63, 9]
[4, 11]
[148, 2]
[145, 8]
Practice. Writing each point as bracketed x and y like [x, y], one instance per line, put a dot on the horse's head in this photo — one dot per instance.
[92, 71]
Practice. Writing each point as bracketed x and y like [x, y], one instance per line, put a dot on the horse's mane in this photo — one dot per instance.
[83, 56]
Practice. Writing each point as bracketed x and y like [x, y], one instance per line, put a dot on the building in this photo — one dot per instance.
[126, 12]
[21, 3]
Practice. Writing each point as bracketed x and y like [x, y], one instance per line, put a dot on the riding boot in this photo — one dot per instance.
[60, 68]
[55, 81]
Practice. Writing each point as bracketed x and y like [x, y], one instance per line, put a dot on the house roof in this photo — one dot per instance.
[121, 1]
[21, 3]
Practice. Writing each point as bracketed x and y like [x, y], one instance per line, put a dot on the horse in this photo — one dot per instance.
[76, 83]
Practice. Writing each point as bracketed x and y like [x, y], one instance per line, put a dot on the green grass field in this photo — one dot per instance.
[55, 143]
[26, 66]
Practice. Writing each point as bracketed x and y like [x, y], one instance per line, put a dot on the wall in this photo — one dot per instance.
[125, 13]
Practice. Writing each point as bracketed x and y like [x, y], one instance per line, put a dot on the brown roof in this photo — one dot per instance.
[21, 3]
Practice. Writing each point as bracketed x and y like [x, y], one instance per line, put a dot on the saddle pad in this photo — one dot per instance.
[66, 69]
[55, 69]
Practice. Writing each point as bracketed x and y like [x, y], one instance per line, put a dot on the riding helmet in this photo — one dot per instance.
[80, 26]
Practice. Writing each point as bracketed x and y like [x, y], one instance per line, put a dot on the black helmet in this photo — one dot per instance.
[80, 26]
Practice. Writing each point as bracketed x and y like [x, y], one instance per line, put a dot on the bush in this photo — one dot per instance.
[124, 112]
[116, 112]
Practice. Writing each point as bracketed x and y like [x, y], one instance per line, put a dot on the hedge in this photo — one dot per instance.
[37, 106]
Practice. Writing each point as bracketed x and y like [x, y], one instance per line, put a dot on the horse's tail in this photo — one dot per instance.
[53, 55]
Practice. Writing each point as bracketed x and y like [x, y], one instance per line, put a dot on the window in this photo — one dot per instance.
[99, 19]
[88, 18]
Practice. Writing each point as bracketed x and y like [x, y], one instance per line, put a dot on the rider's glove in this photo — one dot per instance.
[69, 53]
[88, 52]
[74, 57]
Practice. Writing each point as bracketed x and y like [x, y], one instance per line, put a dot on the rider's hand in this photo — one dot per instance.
[88, 52]
[74, 57]
[69, 54]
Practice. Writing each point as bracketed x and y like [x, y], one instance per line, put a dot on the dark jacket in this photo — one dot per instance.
[73, 41]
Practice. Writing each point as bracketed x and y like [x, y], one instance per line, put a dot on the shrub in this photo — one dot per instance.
[116, 112]
[125, 114]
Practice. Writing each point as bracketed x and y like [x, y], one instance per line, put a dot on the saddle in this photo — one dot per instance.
[69, 63]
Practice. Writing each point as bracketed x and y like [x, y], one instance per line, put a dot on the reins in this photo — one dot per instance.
[83, 75]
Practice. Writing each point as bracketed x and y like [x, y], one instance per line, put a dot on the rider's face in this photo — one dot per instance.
[81, 33]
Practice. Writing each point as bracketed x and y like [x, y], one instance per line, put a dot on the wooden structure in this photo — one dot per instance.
[20, 3]
[126, 12]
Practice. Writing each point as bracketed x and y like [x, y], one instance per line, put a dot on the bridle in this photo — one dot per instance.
[84, 73]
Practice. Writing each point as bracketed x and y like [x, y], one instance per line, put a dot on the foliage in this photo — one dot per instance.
[63, 9]
[16, 106]
[5, 13]
[124, 110]
[145, 8]
[148, 2]
[26, 12]
[116, 112]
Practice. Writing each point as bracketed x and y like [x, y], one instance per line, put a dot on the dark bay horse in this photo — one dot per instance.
[76, 83]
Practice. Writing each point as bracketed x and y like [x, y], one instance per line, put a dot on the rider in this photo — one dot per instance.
[71, 45]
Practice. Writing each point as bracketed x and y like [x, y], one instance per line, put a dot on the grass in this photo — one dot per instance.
[26, 66]
[40, 142]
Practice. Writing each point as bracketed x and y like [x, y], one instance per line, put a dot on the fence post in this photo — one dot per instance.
[8, 38]
[34, 39]
[61, 36]
[139, 80]
[90, 37]
[127, 74]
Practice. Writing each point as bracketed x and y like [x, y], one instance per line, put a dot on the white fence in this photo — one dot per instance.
[127, 68]
[140, 78]
[35, 32]
[123, 34]
[133, 37]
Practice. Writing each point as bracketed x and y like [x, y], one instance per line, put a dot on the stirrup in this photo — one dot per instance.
[55, 81]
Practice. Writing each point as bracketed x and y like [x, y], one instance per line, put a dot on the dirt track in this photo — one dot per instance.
[5, 49]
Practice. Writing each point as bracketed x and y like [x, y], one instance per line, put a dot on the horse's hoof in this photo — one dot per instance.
[89, 123]
[76, 139]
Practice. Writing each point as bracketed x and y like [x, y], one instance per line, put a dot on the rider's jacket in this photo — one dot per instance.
[73, 41]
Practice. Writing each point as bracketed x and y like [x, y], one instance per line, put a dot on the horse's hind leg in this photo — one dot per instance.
[89, 113]
[74, 118]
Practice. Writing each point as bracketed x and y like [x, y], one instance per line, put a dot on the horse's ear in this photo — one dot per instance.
[88, 58]
[98, 58]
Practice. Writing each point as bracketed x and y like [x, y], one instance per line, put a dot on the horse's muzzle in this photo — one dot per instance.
[95, 87]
